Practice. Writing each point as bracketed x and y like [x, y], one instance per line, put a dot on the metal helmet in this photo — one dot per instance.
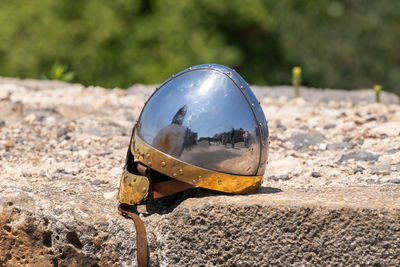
[202, 127]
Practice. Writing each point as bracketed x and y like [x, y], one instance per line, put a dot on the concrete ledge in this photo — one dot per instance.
[286, 228]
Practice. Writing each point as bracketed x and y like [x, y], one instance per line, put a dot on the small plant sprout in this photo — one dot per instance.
[59, 72]
[296, 80]
[377, 89]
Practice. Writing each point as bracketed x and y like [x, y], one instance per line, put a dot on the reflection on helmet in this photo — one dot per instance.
[202, 127]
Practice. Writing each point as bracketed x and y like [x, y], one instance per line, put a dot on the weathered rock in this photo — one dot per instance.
[336, 146]
[304, 140]
[397, 167]
[272, 236]
[96, 182]
[273, 177]
[284, 177]
[358, 169]
[359, 156]
[327, 95]
[347, 139]
[315, 174]
[63, 131]
[59, 214]
[381, 169]
[388, 129]
[8, 144]
[281, 126]
[245, 230]
[329, 126]
[392, 150]
[304, 127]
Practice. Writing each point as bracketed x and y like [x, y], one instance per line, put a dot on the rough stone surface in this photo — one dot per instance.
[62, 148]
[275, 229]
[304, 140]
[336, 146]
[359, 156]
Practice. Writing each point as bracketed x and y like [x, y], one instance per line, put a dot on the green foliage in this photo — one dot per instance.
[296, 80]
[339, 44]
[377, 89]
[59, 72]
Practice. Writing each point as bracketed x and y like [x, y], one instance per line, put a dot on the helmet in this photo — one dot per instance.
[202, 127]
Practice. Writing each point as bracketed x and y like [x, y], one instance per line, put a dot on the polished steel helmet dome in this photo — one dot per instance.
[204, 127]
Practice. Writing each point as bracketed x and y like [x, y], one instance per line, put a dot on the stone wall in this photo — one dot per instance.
[330, 194]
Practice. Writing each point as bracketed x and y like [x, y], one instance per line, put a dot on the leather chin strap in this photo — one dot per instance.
[157, 190]
[142, 252]
[167, 188]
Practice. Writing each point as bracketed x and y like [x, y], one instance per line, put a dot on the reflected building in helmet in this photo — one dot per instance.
[175, 137]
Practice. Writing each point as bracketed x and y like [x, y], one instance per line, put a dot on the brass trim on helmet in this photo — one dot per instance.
[190, 174]
[133, 188]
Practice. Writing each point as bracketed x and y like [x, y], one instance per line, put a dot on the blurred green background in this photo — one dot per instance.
[339, 44]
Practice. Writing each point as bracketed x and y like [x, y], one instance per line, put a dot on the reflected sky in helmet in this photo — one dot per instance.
[199, 116]
[214, 105]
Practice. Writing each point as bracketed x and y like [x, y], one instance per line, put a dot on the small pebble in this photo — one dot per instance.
[273, 177]
[360, 142]
[329, 126]
[284, 177]
[96, 182]
[54, 176]
[395, 181]
[9, 144]
[397, 167]
[322, 146]
[304, 127]
[63, 171]
[315, 174]
[281, 126]
[347, 139]
[62, 131]
[384, 136]
[358, 169]
[130, 118]
[105, 153]
[383, 118]
[370, 119]
[27, 175]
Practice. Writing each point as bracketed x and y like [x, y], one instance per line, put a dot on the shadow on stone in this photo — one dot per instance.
[168, 204]
[269, 190]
